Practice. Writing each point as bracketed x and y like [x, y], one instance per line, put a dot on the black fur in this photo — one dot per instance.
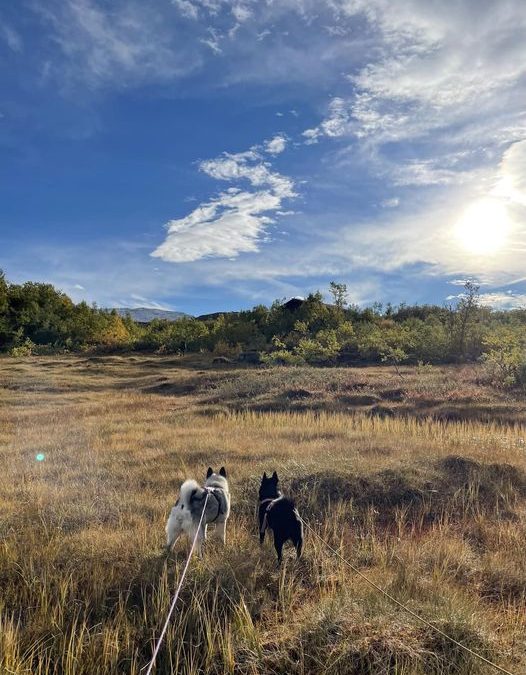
[281, 516]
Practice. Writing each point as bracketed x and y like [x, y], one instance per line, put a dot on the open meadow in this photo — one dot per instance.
[418, 479]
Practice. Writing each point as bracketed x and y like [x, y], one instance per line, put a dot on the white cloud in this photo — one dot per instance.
[334, 125]
[424, 172]
[241, 13]
[512, 183]
[440, 63]
[226, 226]
[276, 145]
[391, 203]
[234, 222]
[446, 77]
[503, 300]
[12, 38]
[188, 9]
[139, 301]
[213, 40]
[129, 44]
[248, 165]
[506, 300]
[311, 135]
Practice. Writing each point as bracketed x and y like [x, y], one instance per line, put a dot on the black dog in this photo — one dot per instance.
[280, 515]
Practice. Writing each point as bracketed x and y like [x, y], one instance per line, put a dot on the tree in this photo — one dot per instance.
[466, 312]
[5, 333]
[186, 334]
[339, 294]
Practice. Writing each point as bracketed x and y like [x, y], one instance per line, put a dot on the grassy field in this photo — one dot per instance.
[419, 480]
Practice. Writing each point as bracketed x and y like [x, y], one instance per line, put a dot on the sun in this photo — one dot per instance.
[484, 227]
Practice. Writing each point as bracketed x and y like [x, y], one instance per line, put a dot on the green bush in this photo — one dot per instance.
[505, 356]
[282, 357]
[27, 348]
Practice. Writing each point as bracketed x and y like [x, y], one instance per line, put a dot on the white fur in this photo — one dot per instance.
[181, 518]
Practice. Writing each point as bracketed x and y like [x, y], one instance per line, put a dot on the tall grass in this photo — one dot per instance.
[432, 511]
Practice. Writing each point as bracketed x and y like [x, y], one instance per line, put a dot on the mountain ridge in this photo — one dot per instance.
[147, 314]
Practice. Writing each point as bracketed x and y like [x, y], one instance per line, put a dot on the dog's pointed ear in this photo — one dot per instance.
[222, 472]
[275, 476]
[209, 472]
[264, 475]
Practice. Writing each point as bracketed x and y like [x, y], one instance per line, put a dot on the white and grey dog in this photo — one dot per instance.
[186, 514]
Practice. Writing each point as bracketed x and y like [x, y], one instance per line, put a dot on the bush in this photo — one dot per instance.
[282, 357]
[505, 356]
[27, 348]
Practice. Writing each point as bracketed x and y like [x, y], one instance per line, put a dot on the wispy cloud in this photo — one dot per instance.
[234, 222]
[129, 44]
[139, 301]
[188, 9]
[390, 203]
[334, 125]
[506, 300]
[503, 300]
[12, 38]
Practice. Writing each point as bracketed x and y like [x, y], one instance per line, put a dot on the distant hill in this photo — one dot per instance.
[215, 315]
[145, 314]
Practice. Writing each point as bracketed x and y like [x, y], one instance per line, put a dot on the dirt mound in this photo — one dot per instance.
[298, 394]
[359, 399]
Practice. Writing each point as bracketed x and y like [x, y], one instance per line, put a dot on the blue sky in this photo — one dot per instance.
[207, 154]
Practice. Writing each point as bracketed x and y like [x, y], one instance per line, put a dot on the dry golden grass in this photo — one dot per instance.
[433, 511]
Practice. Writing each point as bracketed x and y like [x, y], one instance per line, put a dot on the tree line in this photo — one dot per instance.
[37, 318]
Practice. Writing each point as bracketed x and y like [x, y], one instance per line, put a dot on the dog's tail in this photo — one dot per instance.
[189, 489]
[297, 539]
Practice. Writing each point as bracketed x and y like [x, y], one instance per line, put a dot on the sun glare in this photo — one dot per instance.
[484, 227]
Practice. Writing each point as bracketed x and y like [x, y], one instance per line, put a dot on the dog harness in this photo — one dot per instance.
[270, 501]
[212, 492]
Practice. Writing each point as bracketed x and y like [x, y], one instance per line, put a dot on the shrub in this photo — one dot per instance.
[282, 357]
[27, 348]
[505, 356]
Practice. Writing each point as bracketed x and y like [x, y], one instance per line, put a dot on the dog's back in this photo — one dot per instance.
[280, 515]
[188, 516]
[285, 522]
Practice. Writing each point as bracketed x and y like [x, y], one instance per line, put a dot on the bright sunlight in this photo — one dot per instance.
[484, 227]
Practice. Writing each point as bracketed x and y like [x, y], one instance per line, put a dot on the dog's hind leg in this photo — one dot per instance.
[173, 532]
[200, 539]
[221, 531]
[299, 546]
[262, 517]
[278, 545]
[297, 540]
